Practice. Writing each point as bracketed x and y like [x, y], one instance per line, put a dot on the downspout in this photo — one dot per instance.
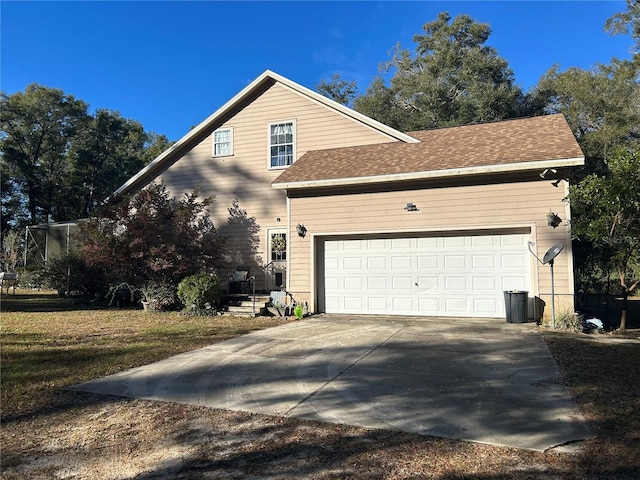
[289, 240]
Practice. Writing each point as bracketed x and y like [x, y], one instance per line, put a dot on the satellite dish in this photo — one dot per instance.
[552, 253]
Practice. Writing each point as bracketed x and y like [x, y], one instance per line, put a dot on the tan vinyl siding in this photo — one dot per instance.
[246, 175]
[521, 206]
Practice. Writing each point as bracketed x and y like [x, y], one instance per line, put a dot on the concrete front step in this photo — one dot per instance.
[243, 305]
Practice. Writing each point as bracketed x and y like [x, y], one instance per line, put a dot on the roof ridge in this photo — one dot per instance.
[488, 122]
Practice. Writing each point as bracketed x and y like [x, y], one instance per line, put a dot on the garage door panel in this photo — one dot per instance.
[403, 304]
[377, 263]
[455, 276]
[377, 304]
[401, 262]
[402, 284]
[400, 243]
[429, 306]
[377, 283]
[455, 261]
[333, 303]
[332, 283]
[377, 245]
[353, 304]
[426, 262]
[483, 241]
[352, 283]
[456, 306]
[515, 261]
[451, 242]
[455, 283]
[428, 283]
[483, 305]
[427, 242]
[332, 263]
[352, 263]
[353, 245]
[481, 284]
[479, 262]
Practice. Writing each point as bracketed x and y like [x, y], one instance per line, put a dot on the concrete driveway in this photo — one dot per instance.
[482, 380]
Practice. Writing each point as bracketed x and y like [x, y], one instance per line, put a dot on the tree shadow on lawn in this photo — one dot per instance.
[243, 444]
[30, 301]
[38, 377]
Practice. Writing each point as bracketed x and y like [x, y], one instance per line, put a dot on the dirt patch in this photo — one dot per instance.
[106, 438]
[52, 433]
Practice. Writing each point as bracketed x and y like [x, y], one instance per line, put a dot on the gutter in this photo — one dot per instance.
[432, 174]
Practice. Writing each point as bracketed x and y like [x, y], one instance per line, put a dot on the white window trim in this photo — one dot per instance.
[213, 142]
[295, 141]
[270, 232]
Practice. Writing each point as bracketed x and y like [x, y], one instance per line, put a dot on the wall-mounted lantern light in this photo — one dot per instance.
[301, 229]
[411, 207]
[553, 220]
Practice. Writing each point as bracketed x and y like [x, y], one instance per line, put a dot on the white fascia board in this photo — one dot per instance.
[453, 172]
[211, 119]
[194, 132]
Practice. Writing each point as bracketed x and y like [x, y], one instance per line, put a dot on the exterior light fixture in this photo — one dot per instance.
[547, 170]
[411, 207]
[301, 229]
[553, 220]
[555, 183]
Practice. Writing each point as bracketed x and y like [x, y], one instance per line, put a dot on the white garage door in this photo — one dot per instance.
[433, 276]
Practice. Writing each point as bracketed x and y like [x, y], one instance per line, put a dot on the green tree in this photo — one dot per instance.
[627, 22]
[338, 89]
[152, 238]
[606, 211]
[602, 107]
[58, 161]
[106, 153]
[452, 78]
[36, 130]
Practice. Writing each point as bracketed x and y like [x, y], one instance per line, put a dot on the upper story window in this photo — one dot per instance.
[281, 144]
[222, 142]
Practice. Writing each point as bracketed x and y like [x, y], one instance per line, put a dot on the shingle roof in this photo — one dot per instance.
[518, 144]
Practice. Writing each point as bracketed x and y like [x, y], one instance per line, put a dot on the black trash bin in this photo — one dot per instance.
[516, 306]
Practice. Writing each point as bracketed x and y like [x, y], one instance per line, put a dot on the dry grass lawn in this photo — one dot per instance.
[49, 432]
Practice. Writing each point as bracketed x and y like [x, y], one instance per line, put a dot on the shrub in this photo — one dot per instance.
[160, 296]
[30, 279]
[200, 294]
[567, 320]
[69, 274]
[152, 238]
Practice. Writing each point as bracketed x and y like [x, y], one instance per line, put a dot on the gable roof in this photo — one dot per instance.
[510, 145]
[201, 131]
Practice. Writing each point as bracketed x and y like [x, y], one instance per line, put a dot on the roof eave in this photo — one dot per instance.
[433, 174]
[185, 141]
[151, 170]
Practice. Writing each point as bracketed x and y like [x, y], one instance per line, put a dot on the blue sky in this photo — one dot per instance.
[169, 65]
